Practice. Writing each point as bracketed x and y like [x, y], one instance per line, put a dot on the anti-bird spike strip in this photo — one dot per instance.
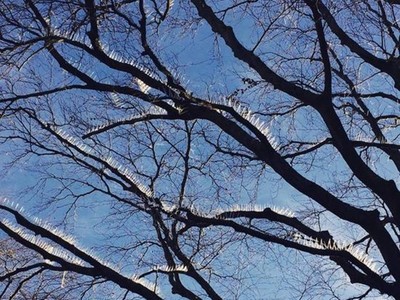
[83, 69]
[168, 208]
[116, 100]
[117, 57]
[63, 254]
[19, 230]
[337, 246]
[251, 118]
[128, 174]
[112, 54]
[75, 37]
[39, 242]
[245, 207]
[152, 111]
[241, 207]
[144, 88]
[171, 269]
[146, 283]
[66, 237]
[13, 205]
[179, 77]
[79, 144]
[283, 211]
[170, 4]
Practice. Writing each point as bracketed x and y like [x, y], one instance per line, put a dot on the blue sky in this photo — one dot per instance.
[210, 71]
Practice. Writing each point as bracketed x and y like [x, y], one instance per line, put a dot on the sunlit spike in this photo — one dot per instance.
[63, 279]
[111, 55]
[337, 246]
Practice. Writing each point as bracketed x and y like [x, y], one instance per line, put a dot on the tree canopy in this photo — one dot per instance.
[200, 149]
